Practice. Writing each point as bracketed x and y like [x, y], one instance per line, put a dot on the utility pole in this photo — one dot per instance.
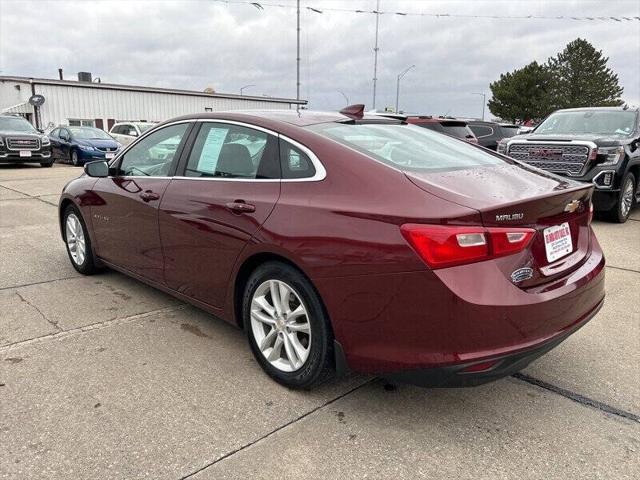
[400, 75]
[298, 59]
[484, 102]
[375, 54]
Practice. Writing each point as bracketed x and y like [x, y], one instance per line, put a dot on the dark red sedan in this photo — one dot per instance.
[342, 242]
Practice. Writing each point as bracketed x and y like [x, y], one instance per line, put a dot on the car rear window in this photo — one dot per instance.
[408, 147]
[509, 131]
[435, 126]
[457, 129]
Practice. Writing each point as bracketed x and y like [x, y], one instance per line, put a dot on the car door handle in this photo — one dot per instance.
[240, 206]
[148, 195]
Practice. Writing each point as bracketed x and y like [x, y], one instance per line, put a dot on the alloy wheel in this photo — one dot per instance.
[74, 235]
[627, 198]
[280, 325]
[74, 158]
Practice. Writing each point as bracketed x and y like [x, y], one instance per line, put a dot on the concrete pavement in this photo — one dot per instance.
[102, 377]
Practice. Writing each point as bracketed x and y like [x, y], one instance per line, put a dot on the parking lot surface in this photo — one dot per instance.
[103, 377]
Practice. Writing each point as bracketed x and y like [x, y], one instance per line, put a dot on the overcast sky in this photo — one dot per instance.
[194, 44]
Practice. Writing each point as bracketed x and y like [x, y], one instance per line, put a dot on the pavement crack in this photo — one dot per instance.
[37, 309]
[576, 397]
[88, 328]
[29, 196]
[623, 269]
[39, 283]
[276, 430]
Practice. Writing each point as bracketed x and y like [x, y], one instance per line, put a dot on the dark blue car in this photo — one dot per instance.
[82, 144]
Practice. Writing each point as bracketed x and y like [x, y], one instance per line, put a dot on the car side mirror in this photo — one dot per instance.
[97, 169]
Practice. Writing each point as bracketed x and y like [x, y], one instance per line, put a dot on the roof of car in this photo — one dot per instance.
[133, 123]
[614, 109]
[301, 118]
[435, 119]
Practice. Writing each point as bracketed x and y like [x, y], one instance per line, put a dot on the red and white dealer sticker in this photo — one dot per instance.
[557, 241]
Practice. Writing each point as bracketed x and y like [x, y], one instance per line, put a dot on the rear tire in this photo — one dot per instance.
[283, 333]
[626, 199]
[77, 241]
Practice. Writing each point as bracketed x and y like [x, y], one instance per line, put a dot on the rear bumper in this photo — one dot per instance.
[427, 326]
[455, 375]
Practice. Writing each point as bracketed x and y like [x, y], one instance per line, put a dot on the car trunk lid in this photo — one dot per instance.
[509, 195]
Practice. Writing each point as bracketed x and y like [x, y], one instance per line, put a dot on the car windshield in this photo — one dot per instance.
[89, 133]
[144, 126]
[408, 147]
[16, 124]
[604, 122]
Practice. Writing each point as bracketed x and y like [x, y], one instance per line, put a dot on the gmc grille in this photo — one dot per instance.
[565, 159]
[23, 143]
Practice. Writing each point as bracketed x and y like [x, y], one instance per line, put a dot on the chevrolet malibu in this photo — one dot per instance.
[341, 242]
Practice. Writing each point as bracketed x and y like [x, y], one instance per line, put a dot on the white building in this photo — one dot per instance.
[68, 102]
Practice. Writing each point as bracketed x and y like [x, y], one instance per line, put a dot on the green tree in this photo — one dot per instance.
[581, 78]
[522, 94]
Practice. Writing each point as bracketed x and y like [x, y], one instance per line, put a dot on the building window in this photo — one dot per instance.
[73, 122]
[208, 109]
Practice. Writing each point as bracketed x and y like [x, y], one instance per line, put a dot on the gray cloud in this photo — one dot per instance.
[194, 44]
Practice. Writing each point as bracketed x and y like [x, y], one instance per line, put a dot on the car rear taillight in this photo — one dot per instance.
[443, 246]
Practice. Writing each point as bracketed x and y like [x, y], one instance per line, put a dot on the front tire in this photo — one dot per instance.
[288, 331]
[77, 241]
[626, 198]
[75, 161]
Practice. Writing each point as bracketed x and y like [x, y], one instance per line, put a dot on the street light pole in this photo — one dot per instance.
[246, 86]
[298, 57]
[400, 75]
[375, 54]
[484, 102]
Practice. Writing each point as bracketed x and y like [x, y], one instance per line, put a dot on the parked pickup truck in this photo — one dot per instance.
[20, 142]
[600, 145]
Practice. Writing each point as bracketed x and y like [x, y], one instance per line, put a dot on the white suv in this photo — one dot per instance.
[127, 132]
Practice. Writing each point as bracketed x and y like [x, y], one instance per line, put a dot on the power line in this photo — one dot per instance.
[321, 10]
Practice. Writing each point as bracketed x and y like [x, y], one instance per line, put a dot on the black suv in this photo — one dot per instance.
[490, 133]
[600, 145]
[21, 143]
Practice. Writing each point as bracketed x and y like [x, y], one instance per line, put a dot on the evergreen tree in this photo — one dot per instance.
[581, 78]
[522, 94]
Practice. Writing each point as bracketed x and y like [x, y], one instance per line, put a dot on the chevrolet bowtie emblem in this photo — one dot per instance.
[572, 206]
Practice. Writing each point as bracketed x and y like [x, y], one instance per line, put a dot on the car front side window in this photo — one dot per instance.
[155, 154]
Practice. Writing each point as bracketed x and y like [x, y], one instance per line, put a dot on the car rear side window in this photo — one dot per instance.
[295, 163]
[408, 147]
[233, 151]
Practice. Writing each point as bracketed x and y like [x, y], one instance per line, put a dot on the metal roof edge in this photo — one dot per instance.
[136, 88]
